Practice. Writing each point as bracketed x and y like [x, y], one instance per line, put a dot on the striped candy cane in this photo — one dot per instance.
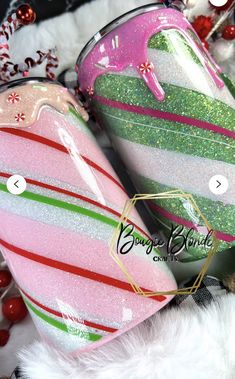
[24, 15]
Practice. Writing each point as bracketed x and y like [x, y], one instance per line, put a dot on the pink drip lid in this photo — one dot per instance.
[121, 20]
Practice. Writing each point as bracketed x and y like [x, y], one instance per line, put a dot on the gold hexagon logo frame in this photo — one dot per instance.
[130, 204]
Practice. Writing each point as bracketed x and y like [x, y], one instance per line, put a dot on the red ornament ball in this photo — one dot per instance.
[4, 337]
[14, 309]
[229, 32]
[25, 14]
[203, 26]
[5, 278]
[222, 7]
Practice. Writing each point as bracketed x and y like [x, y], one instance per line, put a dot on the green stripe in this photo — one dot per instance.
[178, 100]
[173, 42]
[70, 207]
[221, 217]
[166, 135]
[61, 204]
[65, 328]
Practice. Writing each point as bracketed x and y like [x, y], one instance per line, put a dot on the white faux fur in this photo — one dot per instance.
[71, 31]
[180, 343]
[68, 32]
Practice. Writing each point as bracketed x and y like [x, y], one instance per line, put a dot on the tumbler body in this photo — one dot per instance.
[56, 235]
[163, 101]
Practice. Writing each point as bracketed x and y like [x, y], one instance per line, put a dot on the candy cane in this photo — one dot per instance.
[24, 15]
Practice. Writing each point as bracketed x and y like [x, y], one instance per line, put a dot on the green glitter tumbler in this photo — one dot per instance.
[171, 117]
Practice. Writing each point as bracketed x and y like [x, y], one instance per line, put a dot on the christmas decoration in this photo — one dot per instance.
[73, 198]
[229, 32]
[4, 337]
[203, 26]
[20, 117]
[13, 98]
[159, 140]
[24, 15]
[14, 309]
[146, 67]
[224, 53]
[5, 278]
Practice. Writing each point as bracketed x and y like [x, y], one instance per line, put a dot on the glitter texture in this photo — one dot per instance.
[194, 122]
[56, 235]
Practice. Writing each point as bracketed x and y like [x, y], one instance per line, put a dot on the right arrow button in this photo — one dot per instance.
[218, 184]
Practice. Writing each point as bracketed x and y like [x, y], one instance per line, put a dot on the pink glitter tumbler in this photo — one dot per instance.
[55, 234]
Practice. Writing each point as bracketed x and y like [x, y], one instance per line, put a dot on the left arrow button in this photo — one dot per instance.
[16, 184]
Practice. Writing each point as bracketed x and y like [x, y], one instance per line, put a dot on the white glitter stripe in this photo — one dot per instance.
[51, 215]
[75, 222]
[62, 340]
[177, 170]
[60, 196]
[179, 70]
[65, 309]
[69, 322]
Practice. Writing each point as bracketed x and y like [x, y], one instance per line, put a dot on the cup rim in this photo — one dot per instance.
[31, 80]
[117, 22]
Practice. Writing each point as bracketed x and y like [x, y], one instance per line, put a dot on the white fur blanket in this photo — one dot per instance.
[71, 31]
[177, 343]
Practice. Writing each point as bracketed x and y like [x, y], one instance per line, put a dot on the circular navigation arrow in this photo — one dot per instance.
[218, 184]
[16, 184]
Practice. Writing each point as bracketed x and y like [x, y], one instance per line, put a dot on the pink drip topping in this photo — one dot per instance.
[20, 106]
[127, 46]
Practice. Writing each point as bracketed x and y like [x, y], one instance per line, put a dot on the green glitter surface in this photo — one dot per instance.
[173, 42]
[173, 136]
[167, 135]
[219, 215]
[178, 100]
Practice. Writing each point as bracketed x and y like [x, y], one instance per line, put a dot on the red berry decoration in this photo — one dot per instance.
[5, 278]
[229, 32]
[4, 337]
[203, 26]
[14, 309]
[25, 14]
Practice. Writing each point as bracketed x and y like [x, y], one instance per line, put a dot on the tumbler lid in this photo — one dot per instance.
[22, 81]
[121, 20]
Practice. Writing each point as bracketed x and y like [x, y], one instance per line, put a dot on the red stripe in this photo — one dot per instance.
[75, 195]
[165, 116]
[188, 224]
[75, 270]
[66, 317]
[59, 147]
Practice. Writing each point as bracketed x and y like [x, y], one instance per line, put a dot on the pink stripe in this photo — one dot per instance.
[37, 159]
[85, 142]
[63, 246]
[188, 224]
[166, 116]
